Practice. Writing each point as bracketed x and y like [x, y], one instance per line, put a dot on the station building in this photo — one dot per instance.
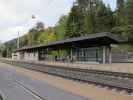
[94, 48]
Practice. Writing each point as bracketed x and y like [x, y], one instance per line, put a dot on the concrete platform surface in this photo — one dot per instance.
[114, 67]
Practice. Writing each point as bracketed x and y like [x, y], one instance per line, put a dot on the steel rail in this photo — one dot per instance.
[32, 92]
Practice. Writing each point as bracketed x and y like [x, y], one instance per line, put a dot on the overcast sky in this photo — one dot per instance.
[15, 15]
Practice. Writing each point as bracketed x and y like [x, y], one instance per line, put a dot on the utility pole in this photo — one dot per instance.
[18, 41]
[7, 53]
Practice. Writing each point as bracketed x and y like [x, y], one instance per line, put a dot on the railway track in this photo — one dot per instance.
[30, 91]
[121, 81]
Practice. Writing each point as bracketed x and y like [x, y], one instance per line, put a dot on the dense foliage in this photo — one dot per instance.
[86, 17]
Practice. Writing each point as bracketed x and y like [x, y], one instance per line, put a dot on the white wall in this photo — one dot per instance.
[16, 56]
[31, 56]
[26, 56]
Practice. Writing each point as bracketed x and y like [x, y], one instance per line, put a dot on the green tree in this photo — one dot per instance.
[24, 41]
[129, 12]
[120, 12]
[129, 18]
[60, 27]
[47, 36]
[103, 18]
[86, 5]
[88, 8]
[89, 23]
[120, 19]
[34, 34]
[75, 23]
[40, 26]
[2, 49]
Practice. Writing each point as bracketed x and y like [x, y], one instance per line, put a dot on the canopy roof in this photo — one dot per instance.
[92, 40]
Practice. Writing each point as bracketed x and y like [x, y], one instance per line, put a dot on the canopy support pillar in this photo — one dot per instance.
[104, 54]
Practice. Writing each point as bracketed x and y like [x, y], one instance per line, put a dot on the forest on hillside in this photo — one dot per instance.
[86, 17]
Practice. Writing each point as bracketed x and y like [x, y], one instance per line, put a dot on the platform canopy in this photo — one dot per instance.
[92, 40]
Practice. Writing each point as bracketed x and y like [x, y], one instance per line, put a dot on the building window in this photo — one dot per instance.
[89, 54]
